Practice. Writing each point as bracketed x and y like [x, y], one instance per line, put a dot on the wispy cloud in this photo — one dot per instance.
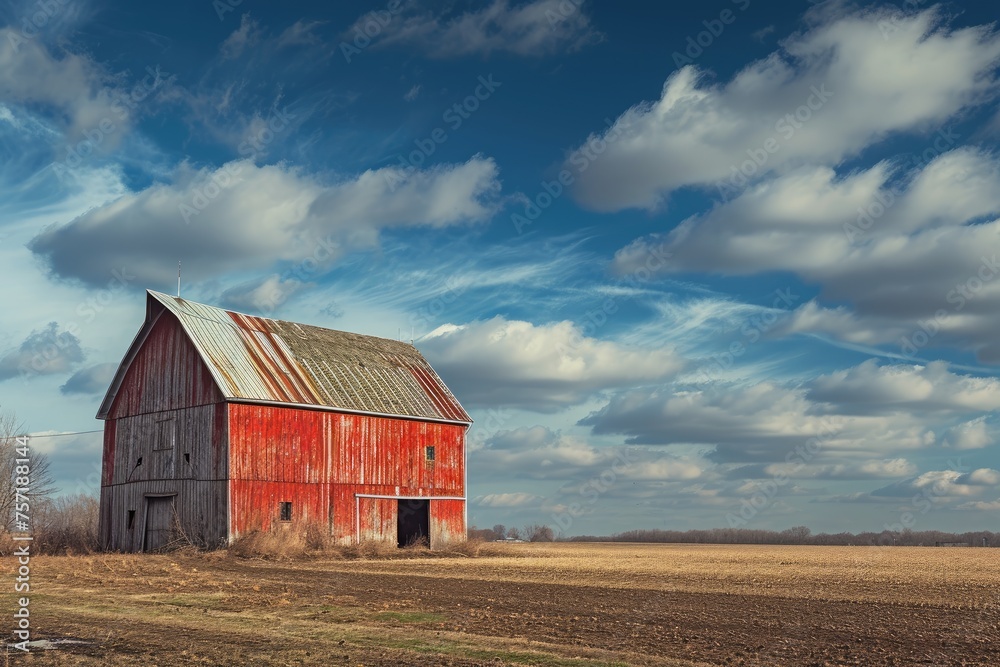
[532, 29]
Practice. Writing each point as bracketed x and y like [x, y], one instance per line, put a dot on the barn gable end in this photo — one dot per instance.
[164, 439]
[163, 372]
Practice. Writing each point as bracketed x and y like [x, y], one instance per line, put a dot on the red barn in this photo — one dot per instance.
[218, 423]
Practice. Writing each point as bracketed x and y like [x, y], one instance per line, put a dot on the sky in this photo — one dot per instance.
[727, 264]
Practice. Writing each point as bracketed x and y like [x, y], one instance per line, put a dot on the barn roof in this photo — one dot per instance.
[260, 360]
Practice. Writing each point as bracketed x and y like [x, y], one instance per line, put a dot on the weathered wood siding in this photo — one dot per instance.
[200, 507]
[166, 374]
[447, 521]
[166, 435]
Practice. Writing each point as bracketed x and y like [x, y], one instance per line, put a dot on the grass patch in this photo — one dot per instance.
[410, 617]
[192, 601]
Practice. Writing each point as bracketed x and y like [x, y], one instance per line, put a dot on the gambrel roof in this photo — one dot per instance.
[260, 360]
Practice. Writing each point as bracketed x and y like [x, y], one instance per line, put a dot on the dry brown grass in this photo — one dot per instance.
[309, 541]
[7, 544]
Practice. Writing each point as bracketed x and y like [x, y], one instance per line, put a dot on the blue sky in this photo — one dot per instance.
[727, 264]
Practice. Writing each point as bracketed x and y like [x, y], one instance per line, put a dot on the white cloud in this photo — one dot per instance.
[841, 323]
[870, 469]
[540, 453]
[761, 35]
[981, 505]
[91, 380]
[902, 248]
[534, 28]
[973, 434]
[843, 425]
[262, 295]
[537, 367]
[44, 352]
[819, 100]
[870, 388]
[259, 216]
[945, 484]
[982, 477]
[810, 222]
[763, 423]
[507, 500]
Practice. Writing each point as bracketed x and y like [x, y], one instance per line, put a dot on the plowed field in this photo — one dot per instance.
[560, 604]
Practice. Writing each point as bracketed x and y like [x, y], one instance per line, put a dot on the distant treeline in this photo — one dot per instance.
[802, 535]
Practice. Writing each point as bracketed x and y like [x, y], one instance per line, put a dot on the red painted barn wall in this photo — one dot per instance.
[321, 460]
[447, 521]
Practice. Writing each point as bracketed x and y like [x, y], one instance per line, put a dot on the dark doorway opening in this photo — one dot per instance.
[413, 522]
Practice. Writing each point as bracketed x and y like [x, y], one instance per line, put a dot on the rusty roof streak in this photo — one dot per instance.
[415, 390]
[267, 351]
[436, 391]
[322, 367]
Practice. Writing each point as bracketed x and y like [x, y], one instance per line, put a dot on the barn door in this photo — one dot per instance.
[413, 521]
[159, 522]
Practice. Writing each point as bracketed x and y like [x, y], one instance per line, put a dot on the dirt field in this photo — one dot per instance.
[573, 604]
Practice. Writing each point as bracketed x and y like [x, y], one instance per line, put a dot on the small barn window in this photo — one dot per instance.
[164, 435]
[429, 453]
[131, 519]
[286, 511]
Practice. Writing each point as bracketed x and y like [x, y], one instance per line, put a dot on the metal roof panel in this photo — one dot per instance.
[257, 358]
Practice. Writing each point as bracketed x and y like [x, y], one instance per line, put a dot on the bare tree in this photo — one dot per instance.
[484, 534]
[41, 483]
[796, 535]
[513, 533]
[536, 532]
[66, 524]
